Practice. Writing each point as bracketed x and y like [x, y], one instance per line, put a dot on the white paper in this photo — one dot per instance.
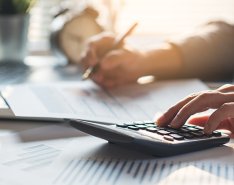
[86, 100]
[35, 149]
[36, 155]
[10, 176]
[90, 160]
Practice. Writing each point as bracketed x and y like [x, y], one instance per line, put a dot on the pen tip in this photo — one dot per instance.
[87, 74]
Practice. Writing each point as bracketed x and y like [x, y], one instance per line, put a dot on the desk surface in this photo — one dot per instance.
[41, 69]
[30, 135]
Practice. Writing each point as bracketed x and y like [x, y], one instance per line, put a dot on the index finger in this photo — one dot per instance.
[168, 116]
[203, 102]
[101, 43]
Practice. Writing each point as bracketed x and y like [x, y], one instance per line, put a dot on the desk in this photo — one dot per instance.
[41, 69]
[51, 136]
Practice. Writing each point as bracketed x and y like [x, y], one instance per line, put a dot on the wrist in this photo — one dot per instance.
[164, 61]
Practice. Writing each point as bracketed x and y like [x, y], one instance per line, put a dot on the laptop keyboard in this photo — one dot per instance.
[186, 132]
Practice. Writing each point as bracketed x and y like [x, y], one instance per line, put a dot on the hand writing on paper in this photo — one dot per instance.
[124, 65]
[221, 99]
[116, 67]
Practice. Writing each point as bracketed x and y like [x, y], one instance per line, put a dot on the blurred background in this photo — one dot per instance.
[161, 18]
[158, 20]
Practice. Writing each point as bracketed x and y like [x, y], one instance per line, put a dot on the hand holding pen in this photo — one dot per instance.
[108, 45]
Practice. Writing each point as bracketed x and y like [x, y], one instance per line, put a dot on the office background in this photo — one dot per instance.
[162, 18]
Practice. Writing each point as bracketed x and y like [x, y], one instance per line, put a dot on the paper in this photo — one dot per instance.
[90, 160]
[35, 149]
[86, 100]
[10, 176]
[29, 158]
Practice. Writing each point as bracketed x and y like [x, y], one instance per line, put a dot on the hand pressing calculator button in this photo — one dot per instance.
[146, 136]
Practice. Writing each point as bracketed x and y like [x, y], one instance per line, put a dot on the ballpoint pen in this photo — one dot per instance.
[118, 42]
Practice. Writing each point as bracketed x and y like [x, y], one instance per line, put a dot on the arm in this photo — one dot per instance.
[208, 52]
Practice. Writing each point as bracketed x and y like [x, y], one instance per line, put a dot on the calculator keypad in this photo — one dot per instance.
[168, 133]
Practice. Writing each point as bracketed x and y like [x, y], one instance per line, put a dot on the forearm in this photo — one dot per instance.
[163, 62]
[208, 52]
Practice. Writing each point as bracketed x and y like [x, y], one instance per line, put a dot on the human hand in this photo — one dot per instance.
[221, 99]
[116, 67]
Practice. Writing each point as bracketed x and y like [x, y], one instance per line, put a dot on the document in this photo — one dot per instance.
[35, 149]
[90, 160]
[10, 176]
[87, 101]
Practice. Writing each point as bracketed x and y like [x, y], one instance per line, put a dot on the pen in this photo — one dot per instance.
[118, 42]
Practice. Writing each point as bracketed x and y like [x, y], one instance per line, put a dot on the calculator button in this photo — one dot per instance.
[141, 126]
[150, 125]
[198, 127]
[177, 136]
[169, 138]
[133, 127]
[163, 132]
[171, 130]
[187, 135]
[151, 129]
[121, 125]
[216, 134]
[138, 122]
[192, 129]
[129, 124]
[183, 130]
[198, 133]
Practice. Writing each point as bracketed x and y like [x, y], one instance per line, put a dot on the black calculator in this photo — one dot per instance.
[146, 136]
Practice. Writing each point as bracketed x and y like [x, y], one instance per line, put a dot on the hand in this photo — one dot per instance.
[221, 99]
[116, 67]
[124, 65]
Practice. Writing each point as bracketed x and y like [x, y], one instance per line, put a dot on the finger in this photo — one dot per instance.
[97, 46]
[114, 59]
[225, 112]
[202, 121]
[93, 59]
[109, 69]
[227, 124]
[106, 79]
[226, 88]
[213, 99]
[101, 75]
[101, 44]
[168, 116]
[97, 77]
[85, 56]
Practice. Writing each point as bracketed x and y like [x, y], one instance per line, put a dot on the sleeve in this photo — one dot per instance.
[208, 53]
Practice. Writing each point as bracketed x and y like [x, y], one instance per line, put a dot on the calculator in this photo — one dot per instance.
[146, 136]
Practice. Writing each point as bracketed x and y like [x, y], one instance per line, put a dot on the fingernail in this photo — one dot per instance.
[160, 119]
